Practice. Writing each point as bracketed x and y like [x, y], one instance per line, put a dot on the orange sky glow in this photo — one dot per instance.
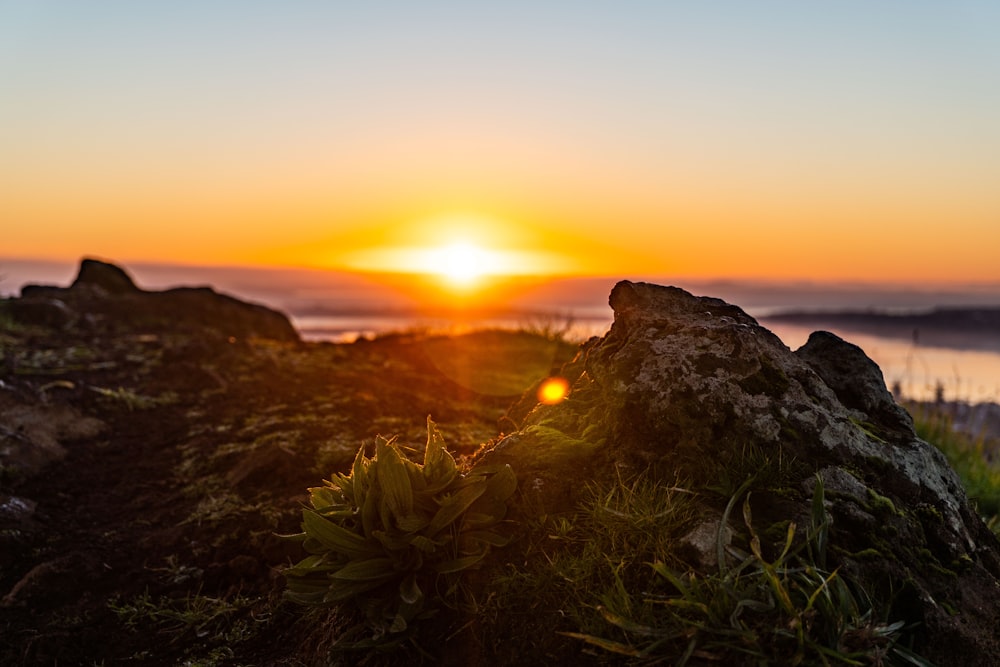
[836, 144]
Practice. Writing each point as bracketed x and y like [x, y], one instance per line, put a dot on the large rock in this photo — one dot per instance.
[693, 388]
[103, 296]
[95, 274]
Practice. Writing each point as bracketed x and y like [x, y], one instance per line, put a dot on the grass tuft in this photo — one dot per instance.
[789, 610]
[610, 570]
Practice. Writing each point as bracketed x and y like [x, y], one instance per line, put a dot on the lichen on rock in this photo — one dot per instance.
[694, 388]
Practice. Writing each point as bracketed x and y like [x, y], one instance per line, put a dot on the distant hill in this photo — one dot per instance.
[960, 328]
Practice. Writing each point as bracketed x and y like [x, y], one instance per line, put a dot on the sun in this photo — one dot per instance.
[463, 254]
[461, 263]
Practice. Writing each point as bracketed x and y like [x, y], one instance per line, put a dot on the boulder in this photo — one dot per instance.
[104, 297]
[33, 433]
[109, 278]
[693, 388]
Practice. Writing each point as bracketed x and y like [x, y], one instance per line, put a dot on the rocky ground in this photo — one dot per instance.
[154, 447]
[147, 469]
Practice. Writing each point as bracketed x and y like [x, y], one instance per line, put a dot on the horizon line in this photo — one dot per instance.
[803, 282]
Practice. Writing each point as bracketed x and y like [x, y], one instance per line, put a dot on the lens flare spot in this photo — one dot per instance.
[553, 390]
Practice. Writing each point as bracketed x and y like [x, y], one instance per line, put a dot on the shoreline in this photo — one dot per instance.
[950, 328]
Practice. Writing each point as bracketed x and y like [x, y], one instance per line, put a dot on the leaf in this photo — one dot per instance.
[412, 523]
[409, 591]
[483, 536]
[370, 513]
[394, 481]
[439, 467]
[343, 589]
[418, 483]
[310, 564]
[720, 542]
[484, 512]
[394, 540]
[366, 570]
[502, 485]
[426, 544]
[308, 589]
[661, 569]
[336, 512]
[459, 564]
[822, 588]
[789, 537]
[606, 644]
[322, 497]
[359, 475]
[629, 625]
[398, 624]
[452, 507]
[820, 521]
[435, 452]
[336, 538]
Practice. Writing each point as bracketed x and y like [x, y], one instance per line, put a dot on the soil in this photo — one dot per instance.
[143, 525]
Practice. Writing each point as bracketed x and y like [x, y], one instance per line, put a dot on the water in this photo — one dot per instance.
[343, 307]
[919, 372]
[914, 371]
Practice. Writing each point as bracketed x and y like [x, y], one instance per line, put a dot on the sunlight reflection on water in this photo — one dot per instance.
[965, 375]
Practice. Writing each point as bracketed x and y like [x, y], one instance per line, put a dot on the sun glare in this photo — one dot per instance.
[464, 253]
[461, 263]
[553, 390]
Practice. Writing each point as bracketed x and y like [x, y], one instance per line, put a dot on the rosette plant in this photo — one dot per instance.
[394, 536]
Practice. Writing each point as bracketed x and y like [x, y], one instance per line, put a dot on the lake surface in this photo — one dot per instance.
[343, 307]
[963, 375]
[918, 372]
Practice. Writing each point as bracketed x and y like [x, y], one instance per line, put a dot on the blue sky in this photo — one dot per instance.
[696, 133]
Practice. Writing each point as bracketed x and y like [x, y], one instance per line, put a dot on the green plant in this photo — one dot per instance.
[571, 561]
[204, 628]
[394, 537]
[131, 400]
[791, 610]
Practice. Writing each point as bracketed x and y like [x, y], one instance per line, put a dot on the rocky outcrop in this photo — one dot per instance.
[695, 389]
[95, 274]
[103, 297]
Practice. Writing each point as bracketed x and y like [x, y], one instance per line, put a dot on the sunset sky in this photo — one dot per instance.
[777, 140]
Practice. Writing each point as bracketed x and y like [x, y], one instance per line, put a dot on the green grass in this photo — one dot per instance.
[608, 578]
[976, 465]
[204, 627]
[497, 362]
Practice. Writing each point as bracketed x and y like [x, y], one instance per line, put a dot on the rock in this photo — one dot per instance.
[693, 388]
[49, 584]
[104, 297]
[701, 544]
[98, 275]
[32, 435]
[203, 307]
[15, 509]
[856, 380]
[40, 311]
